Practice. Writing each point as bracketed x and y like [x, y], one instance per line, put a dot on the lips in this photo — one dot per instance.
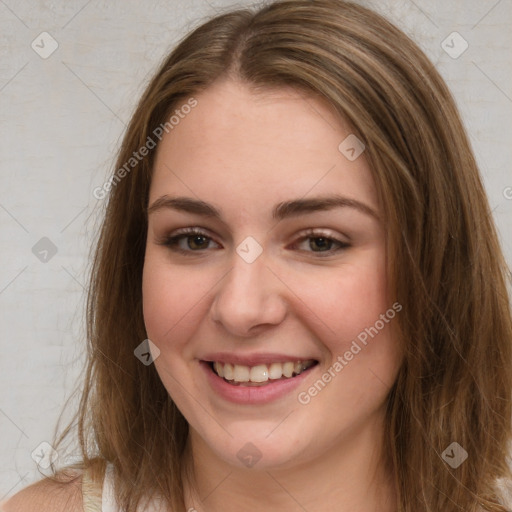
[254, 393]
[257, 369]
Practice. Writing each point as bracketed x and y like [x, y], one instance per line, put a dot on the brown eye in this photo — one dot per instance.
[196, 242]
[320, 243]
[189, 240]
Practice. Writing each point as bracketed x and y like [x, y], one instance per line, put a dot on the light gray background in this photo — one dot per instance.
[61, 123]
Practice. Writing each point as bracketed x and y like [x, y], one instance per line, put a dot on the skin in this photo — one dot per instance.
[245, 152]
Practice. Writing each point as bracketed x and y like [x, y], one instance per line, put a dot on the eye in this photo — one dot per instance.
[189, 240]
[320, 242]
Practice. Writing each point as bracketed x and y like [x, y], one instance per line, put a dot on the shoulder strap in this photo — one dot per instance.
[92, 486]
[504, 487]
[98, 492]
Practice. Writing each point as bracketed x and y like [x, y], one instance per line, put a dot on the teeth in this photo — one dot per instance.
[262, 372]
[241, 373]
[219, 369]
[258, 373]
[275, 371]
[288, 368]
[229, 374]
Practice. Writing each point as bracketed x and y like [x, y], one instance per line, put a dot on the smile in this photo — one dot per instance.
[261, 374]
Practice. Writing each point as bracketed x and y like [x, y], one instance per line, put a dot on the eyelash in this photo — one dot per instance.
[172, 241]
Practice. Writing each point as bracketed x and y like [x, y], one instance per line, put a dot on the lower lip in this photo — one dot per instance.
[251, 395]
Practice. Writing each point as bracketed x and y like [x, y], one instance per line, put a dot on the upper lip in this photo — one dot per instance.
[252, 359]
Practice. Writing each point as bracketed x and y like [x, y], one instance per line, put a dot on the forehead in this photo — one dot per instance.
[255, 146]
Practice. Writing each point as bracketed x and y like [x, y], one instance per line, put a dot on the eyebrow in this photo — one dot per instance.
[281, 211]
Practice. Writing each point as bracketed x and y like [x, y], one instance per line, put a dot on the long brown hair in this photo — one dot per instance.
[445, 262]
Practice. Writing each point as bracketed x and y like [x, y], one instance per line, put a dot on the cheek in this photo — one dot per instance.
[172, 298]
[362, 353]
[174, 301]
[361, 300]
[343, 303]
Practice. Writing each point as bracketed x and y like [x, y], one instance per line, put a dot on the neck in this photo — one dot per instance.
[350, 476]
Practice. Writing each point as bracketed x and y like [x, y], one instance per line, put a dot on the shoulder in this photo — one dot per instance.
[48, 496]
[504, 488]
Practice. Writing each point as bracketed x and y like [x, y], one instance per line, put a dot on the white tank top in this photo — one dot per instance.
[108, 502]
[101, 498]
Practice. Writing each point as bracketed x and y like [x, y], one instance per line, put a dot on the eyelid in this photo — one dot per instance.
[171, 239]
[193, 230]
[320, 233]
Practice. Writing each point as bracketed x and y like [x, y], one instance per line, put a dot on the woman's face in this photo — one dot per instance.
[266, 257]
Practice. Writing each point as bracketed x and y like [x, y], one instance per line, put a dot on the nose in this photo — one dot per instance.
[249, 299]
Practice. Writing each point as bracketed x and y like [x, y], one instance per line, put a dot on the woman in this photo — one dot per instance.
[298, 300]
